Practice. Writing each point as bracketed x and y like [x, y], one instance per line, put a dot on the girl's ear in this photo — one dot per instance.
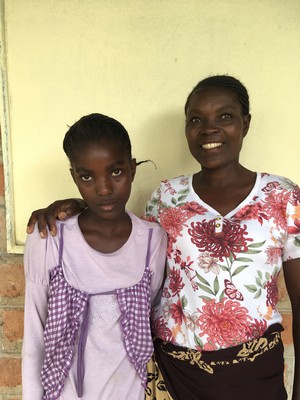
[246, 119]
[73, 175]
[133, 168]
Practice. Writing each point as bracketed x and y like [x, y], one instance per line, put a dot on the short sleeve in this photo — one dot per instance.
[40, 256]
[151, 211]
[292, 247]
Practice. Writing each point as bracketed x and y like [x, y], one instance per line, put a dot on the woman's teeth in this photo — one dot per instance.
[207, 146]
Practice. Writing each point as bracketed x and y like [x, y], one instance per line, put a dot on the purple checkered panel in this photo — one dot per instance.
[65, 306]
[134, 303]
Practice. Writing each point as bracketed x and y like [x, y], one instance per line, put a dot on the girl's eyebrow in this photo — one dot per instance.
[111, 166]
[81, 169]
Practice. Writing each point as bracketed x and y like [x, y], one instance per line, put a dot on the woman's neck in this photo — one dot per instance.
[224, 177]
[224, 190]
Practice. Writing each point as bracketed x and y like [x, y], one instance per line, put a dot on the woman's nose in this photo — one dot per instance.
[209, 126]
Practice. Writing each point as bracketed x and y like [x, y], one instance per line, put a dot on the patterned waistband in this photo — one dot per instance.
[207, 360]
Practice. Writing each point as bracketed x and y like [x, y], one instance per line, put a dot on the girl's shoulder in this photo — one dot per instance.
[144, 225]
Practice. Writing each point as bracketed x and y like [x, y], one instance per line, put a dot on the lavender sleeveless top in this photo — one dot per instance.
[68, 313]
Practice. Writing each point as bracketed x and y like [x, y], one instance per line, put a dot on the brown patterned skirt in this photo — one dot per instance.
[253, 370]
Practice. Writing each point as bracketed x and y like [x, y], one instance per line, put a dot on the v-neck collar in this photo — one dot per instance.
[247, 199]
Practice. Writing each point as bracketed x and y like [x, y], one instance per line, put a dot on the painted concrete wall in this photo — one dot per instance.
[137, 60]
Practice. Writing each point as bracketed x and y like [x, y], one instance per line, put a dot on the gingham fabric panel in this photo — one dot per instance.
[135, 306]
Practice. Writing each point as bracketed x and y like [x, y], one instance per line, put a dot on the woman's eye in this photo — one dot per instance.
[195, 120]
[226, 116]
[117, 172]
[85, 178]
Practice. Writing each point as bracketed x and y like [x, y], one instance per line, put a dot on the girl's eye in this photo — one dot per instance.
[85, 178]
[117, 172]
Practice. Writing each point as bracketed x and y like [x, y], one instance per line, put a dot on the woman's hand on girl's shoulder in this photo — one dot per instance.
[60, 209]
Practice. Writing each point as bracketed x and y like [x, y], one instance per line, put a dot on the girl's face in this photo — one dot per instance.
[104, 174]
[215, 127]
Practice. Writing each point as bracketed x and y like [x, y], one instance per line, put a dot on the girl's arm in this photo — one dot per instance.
[291, 270]
[33, 341]
[39, 256]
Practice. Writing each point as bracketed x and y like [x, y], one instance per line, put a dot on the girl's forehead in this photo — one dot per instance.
[100, 150]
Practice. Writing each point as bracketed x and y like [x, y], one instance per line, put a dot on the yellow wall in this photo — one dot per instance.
[137, 61]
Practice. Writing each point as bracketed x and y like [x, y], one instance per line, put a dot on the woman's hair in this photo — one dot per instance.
[226, 82]
[92, 129]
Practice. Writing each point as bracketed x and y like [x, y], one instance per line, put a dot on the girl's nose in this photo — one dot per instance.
[104, 187]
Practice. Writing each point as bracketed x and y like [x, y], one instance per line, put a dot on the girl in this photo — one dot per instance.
[230, 232]
[88, 289]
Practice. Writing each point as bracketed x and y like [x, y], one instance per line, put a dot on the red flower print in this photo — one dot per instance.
[256, 329]
[273, 254]
[176, 283]
[208, 347]
[192, 208]
[149, 218]
[171, 242]
[275, 207]
[172, 220]
[254, 212]
[296, 196]
[177, 312]
[270, 187]
[233, 239]
[272, 292]
[295, 229]
[166, 293]
[225, 322]
[177, 256]
[169, 188]
[160, 329]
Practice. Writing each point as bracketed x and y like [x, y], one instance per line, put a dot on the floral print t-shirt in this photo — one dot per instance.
[221, 285]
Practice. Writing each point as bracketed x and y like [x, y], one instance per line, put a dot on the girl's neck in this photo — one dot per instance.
[105, 235]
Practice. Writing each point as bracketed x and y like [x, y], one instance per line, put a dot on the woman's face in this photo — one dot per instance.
[215, 127]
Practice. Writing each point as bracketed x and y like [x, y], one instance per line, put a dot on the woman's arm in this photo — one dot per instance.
[291, 270]
[46, 217]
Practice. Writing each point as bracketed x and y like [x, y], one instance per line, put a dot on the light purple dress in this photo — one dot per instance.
[109, 373]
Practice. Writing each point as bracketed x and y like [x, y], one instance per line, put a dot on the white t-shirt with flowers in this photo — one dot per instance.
[221, 286]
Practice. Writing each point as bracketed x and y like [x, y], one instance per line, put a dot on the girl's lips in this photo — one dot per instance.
[208, 146]
[106, 205]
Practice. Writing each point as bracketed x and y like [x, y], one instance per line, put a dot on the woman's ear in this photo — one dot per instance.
[133, 168]
[246, 119]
